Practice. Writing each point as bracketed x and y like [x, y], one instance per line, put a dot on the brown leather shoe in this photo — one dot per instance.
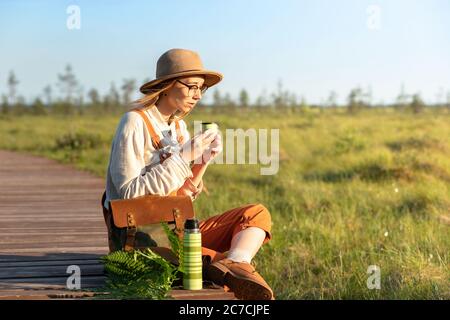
[241, 278]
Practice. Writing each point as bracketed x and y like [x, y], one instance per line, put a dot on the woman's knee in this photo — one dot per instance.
[259, 214]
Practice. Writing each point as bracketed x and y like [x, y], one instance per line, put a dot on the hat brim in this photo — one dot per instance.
[211, 78]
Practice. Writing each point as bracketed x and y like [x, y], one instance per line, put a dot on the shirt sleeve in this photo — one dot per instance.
[128, 170]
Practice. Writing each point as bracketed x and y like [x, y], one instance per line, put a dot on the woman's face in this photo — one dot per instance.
[185, 93]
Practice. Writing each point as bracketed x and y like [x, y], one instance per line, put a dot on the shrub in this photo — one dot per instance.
[78, 141]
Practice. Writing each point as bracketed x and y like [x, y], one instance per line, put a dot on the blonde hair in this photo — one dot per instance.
[150, 99]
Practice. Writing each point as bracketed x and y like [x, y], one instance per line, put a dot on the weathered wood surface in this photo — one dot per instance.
[50, 218]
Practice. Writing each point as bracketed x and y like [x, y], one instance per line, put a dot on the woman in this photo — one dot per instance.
[153, 153]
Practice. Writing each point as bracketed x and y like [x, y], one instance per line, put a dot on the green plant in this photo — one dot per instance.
[141, 274]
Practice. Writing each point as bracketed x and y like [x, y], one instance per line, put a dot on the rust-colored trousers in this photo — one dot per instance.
[218, 231]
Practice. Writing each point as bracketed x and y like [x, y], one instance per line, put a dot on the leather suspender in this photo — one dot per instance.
[156, 141]
[180, 137]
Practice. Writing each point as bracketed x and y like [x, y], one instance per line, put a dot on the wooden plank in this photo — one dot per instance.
[48, 203]
[29, 242]
[42, 256]
[33, 264]
[49, 271]
[55, 190]
[215, 294]
[11, 235]
[46, 213]
[50, 282]
[69, 219]
[55, 249]
[177, 294]
[44, 294]
[50, 224]
[79, 243]
[45, 229]
[61, 184]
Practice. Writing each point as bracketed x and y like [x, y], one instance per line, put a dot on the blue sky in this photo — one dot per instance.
[311, 46]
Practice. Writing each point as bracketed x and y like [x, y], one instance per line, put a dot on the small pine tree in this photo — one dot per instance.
[243, 98]
[68, 84]
[417, 105]
[4, 109]
[355, 100]
[217, 99]
[12, 84]
[38, 108]
[128, 87]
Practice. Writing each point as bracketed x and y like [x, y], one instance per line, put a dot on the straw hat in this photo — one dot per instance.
[181, 63]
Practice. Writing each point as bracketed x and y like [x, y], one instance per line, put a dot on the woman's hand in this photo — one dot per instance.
[214, 149]
[195, 147]
[189, 189]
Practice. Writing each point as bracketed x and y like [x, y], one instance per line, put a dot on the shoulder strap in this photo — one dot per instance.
[180, 138]
[156, 141]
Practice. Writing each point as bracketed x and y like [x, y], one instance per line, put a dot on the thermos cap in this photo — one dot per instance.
[191, 224]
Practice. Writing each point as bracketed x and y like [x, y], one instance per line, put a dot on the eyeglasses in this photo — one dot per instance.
[194, 88]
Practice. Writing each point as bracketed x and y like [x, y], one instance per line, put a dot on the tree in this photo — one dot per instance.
[4, 105]
[48, 94]
[20, 106]
[228, 101]
[217, 99]
[440, 97]
[368, 96]
[402, 98]
[38, 108]
[243, 98]
[12, 85]
[281, 97]
[292, 100]
[112, 99]
[94, 96]
[261, 100]
[303, 104]
[355, 100]
[68, 84]
[332, 99]
[417, 105]
[128, 86]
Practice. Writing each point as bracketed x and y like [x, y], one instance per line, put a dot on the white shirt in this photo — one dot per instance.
[134, 165]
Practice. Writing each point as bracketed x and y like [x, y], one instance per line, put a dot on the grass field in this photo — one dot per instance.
[352, 191]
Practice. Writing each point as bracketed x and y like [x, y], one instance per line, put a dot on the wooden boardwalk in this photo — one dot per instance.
[50, 219]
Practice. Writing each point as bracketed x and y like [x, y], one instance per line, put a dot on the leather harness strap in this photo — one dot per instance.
[180, 137]
[131, 232]
[156, 141]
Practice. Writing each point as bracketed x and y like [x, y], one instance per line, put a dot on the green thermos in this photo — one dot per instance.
[192, 256]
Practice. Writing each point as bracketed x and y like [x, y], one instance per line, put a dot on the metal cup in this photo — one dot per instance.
[209, 125]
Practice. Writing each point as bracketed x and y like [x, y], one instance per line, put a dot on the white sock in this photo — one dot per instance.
[239, 255]
[245, 244]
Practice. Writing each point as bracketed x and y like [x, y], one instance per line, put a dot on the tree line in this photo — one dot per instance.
[71, 99]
